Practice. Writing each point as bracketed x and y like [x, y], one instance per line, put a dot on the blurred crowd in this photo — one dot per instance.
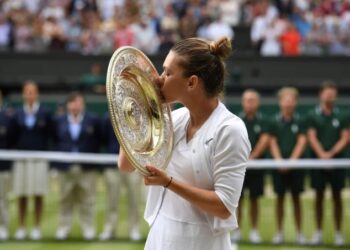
[278, 27]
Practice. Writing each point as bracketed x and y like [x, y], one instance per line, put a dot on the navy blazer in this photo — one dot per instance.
[109, 139]
[6, 133]
[88, 140]
[37, 137]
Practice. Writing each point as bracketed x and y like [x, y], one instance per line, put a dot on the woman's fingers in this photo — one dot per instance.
[154, 171]
[156, 177]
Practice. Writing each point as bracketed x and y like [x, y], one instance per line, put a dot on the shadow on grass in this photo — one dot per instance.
[290, 245]
[76, 240]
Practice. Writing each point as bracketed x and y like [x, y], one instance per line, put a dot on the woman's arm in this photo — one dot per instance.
[123, 162]
[206, 200]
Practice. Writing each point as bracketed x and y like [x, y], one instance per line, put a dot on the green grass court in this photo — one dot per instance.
[266, 226]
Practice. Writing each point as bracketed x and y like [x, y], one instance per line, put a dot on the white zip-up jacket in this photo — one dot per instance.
[220, 154]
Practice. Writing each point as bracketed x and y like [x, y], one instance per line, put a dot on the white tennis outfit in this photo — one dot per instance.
[215, 159]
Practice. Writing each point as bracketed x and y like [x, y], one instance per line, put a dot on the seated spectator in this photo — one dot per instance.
[264, 14]
[93, 39]
[230, 10]
[271, 44]
[39, 43]
[53, 34]
[169, 21]
[23, 33]
[218, 28]
[290, 41]
[72, 31]
[124, 35]
[188, 24]
[313, 42]
[54, 10]
[145, 36]
[300, 21]
[202, 30]
[5, 29]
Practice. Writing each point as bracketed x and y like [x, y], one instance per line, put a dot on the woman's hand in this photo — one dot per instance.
[203, 199]
[123, 162]
[157, 177]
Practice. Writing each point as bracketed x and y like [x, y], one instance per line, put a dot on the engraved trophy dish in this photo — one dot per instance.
[141, 121]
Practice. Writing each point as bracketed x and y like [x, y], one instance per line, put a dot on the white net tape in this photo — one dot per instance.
[100, 158]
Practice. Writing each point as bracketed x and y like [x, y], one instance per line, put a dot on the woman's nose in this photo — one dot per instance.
[160, 80]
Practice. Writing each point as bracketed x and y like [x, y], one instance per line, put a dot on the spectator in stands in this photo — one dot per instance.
[169, 25]
[202, 30]
[107, 8]
[77, 131]
[288, 141]
[231, 11]
[313, 43]
[300, 21]
[53, 34]
[145, 36]
[5, 167]
[54, 9]
[114, 181]
[290, 41]
[33, 125]
[93, 39]
[124, 35]
[23, 33]
[254, 179]
[285, 7]
[188, 24]
[271, 44]
[94, 81]
[72, 31]
[39, 43]
[338, 44]
[328, 136]
[264, 14]
[218, 28]
[5, 29]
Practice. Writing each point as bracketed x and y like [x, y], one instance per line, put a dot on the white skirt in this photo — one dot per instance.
[30, 177]
[174, 235]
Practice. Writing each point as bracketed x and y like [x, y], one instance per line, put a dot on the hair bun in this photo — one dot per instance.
[221, 47]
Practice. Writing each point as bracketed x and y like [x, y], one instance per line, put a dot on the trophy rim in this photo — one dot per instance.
[114, 119]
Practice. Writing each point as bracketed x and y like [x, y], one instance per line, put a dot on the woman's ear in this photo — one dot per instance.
[193, 82]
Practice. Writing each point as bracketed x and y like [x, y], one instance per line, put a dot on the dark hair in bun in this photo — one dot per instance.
[206, 60]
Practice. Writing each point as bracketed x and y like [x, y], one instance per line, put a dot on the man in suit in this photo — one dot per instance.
[77, 131]
[32, 123]
[5, 169]
[114, 180]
